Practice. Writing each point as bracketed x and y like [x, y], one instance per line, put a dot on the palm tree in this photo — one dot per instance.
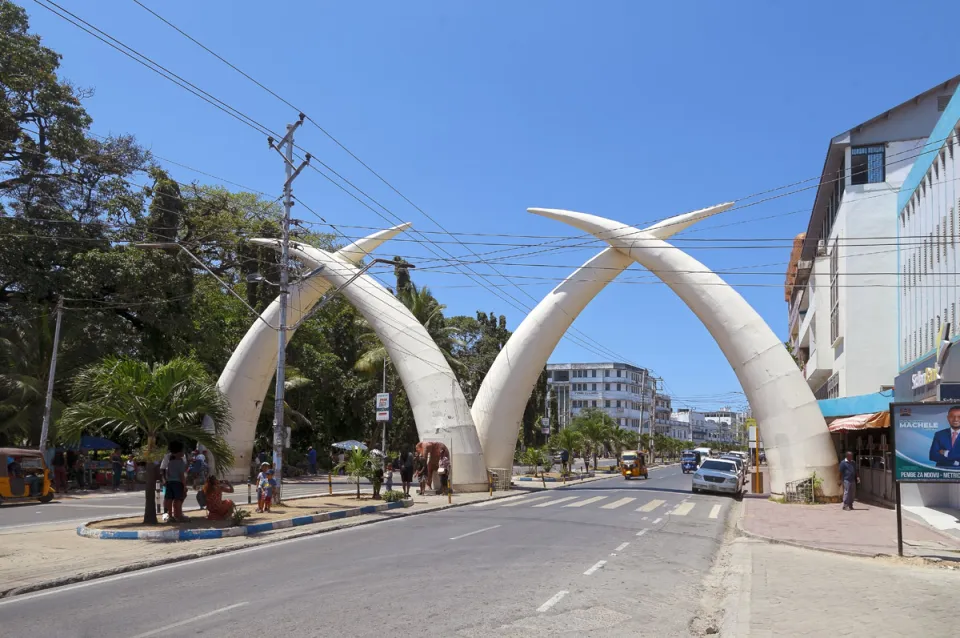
[568, 439]
[25, 351]
[593, 426]
[294, 419]
[622, 439]
[357, 464]
[151, 403]
[429, 312]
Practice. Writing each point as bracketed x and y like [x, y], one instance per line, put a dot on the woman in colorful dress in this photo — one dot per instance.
[218, 508]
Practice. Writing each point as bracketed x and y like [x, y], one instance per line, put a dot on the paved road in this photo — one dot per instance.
[93, 506]
[617, 557]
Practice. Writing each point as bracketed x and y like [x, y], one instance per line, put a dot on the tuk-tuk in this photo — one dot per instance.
[24, 476]
[632, 465]
[690, 461]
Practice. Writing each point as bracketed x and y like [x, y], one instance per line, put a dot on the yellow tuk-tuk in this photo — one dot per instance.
[632, 465]
[24, 476]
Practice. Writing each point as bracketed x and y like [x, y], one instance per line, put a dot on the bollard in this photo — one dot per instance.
[249, 499]
[330, 482]
[490, 481]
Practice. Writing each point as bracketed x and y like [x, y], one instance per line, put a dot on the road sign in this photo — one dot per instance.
[545, 422]
[383, 415]
[545, 430]
[383, 401]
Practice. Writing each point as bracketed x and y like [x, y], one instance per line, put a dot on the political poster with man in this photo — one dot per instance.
[926, 441]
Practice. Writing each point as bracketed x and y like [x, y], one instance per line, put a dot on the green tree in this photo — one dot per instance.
[568, 439]
[153, 404]
[621, 439]
[594, 427]
[358, 465]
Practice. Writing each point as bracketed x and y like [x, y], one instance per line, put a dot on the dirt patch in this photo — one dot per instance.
[289, 509]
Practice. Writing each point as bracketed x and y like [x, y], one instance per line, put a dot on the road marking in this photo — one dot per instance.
[644, 518]
[715, 511]
[621, 547]
[559, 500]
[586, 501]
[652, 505]
[525, 501]
[499, 501]
[192, 619]
[553, 601]
[657, 520]
[111, 507]
[641, 532]
[682, 509]
[589, 572]
[485, 529]
[614, 505]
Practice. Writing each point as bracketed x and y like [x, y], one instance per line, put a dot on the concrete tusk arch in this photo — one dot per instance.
[246, 377]
[505, 390]
[795, 436]
[433, 390]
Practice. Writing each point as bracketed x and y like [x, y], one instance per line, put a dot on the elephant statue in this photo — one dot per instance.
[431, 451]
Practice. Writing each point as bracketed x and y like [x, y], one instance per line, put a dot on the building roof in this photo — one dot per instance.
[938, 138]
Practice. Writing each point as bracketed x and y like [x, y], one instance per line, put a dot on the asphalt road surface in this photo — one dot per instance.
[614, 557]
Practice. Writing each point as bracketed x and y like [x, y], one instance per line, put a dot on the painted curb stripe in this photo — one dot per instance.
[170, 535]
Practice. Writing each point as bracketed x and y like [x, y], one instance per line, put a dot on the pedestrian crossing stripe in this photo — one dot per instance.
[525, 501]
[586, 501]
[614, 505]
[682, 509]
[559, 500]
[715, 511]
[652, 505]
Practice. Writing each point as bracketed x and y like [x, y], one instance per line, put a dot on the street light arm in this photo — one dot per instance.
[204, 266]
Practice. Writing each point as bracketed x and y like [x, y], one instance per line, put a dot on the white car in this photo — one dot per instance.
[718, 475]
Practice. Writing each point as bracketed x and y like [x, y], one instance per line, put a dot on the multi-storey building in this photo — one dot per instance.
[730, 424]
[700, 429]
[841, 283]
[625, 392]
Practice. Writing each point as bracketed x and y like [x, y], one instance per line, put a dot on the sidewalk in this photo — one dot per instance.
[866, 531]
[54, 555]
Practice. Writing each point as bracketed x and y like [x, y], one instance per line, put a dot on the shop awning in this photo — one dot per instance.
[861, 422]
[859, 404]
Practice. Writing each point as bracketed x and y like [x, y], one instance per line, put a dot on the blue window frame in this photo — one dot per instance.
[867, 164]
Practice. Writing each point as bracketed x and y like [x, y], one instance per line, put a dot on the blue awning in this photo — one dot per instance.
[860, 404]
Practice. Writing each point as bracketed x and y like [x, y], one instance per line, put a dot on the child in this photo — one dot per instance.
[265, 492]
[261, 477]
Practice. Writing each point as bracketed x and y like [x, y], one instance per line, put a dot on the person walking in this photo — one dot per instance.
[850, 478]
[312, 460]
[60, 473]
[176, 486]
[406, 473]
[444, 470]
[116, 467]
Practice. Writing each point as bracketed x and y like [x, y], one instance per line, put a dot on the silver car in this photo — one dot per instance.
[741, 466]
[718, 475]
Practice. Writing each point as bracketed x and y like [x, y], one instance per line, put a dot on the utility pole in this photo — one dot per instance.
[384, 390]
[643, 405]
[48, 405]
[285, 149]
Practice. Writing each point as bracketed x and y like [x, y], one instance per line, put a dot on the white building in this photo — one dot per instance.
[614, 388]
[700, 430]
[842, 282]
[729, 422]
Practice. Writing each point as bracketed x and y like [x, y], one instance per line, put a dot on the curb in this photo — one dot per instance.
[213, 551]
[781, 541]
[551, 479]
[175, 535]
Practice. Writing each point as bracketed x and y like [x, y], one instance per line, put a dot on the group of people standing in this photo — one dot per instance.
[417, 466]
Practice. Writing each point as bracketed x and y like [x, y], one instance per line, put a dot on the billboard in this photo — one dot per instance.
[926, 439]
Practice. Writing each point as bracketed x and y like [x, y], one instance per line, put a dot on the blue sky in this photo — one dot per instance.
[476, 111]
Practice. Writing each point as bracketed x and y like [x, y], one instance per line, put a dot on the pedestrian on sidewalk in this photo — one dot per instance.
[406, 473]
[176, 488]
[265, 492]
[312, 460]
[444, 470]
[850, 478]
[388, 475]
[116, 466]
[60, 473]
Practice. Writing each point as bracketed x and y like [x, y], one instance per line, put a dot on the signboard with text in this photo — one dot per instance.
[383, 415]
[926, 441]
[383, 401]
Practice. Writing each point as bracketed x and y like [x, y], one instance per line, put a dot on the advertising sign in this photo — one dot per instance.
[383, 401]
[383, 415]
[926, 441]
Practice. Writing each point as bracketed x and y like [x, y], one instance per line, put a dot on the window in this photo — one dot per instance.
[593, 387]
[618, 403]
[606, 403]
[867, 164]
[618, 374]
[618, 387]
[593, 403]
[593, 373]
[606, 387]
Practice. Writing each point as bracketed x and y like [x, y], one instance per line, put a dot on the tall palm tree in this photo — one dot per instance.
[594, 427]
[568, 439]
[152, 403]
[25, 350]
[622, 439]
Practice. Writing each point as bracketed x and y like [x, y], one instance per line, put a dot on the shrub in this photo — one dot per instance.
[237, 516]
[391, 496]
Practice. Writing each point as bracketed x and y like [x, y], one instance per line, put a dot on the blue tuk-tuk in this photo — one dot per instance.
[690, 461]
